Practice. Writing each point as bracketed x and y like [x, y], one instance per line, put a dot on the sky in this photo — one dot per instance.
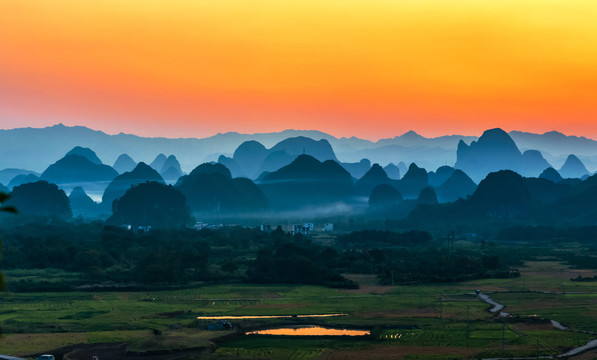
[367, 68]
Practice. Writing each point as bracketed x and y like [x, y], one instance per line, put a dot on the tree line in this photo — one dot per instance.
[109, 256]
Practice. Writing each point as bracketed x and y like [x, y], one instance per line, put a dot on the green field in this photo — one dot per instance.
[446, 319]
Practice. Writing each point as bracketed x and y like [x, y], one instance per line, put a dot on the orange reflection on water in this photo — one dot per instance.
[309, 331]
[264, 317]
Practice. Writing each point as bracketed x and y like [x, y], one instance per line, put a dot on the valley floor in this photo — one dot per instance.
[433, 321]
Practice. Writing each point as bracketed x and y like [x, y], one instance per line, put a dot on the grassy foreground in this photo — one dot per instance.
[411, 322]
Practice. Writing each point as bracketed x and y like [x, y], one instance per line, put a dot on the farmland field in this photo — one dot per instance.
[410, 322]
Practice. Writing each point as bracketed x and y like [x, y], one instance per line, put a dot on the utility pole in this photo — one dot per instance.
[468, 321]
[523, 285]
[441, 308]
[503, 338]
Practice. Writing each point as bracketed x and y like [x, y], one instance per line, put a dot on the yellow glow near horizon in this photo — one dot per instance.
[346, 67]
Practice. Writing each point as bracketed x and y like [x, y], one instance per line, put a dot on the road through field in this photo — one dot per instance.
[497, 309]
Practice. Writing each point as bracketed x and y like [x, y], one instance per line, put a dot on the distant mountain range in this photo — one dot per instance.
[251, 158]
[495, 150]
[492, 179]
[34, 149]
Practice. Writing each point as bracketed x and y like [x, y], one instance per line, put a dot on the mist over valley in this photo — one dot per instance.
[241, 230]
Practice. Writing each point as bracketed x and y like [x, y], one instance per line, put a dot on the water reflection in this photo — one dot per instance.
[309, 331]
[265, 317]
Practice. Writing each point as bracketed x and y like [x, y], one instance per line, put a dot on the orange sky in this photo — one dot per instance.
[369, 68]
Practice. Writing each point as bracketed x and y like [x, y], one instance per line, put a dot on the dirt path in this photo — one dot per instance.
[497, 309]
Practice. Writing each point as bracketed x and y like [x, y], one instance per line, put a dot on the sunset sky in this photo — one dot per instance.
[369, 68]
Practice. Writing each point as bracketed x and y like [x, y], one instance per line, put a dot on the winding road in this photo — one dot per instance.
[497, 309]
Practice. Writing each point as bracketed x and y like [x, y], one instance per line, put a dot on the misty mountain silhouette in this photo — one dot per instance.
[307, 167]
[171, 170]
[413, 182]
[158, 163]
[412, 147]
[427, 196]
[579, 207]
[439, 176]
[506, 196]
[22, 179]
[357, 169]
[503, 194]
[40, 198]
[547, 191]
[171, 175]
[375, 176]
[171, 162]
[425, 156]
[82, 205]
[210, 188]
[253, 158]
[402, 167]
[533, 163]
[555, 143]
[412, 139]
[311, 183]
[384, 195]
[582, 186]
[7, 175]
[86, 153]
[140, 174]
[276, 160]
[551, 174]
[249, 157]
[392, 171]
[76, 169]
[35, 149]
[494, 151]
[124, 163]
[234, 168]
[320, 150]
[151, 204]
[458, 185]
[307, 181]
[209, 168]
[573, 168]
